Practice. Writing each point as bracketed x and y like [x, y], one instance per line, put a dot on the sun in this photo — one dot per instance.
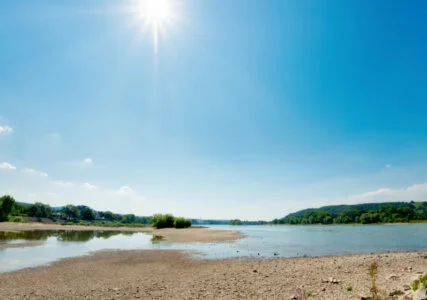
[155, 11]
[156, 14]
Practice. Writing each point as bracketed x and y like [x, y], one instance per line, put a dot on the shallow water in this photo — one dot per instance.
[260, 242]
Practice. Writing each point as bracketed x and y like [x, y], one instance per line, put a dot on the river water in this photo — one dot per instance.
[260, 242]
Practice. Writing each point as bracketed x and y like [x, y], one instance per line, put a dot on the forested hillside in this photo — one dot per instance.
[368, 213]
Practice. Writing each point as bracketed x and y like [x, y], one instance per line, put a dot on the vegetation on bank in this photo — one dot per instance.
[169, 221]
[13, 211]
[239, 222]
[371, 213]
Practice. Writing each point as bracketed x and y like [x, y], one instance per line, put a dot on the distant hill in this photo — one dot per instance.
[337, 209]
[385, 212]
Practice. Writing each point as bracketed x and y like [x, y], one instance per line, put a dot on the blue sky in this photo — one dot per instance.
[249, 109]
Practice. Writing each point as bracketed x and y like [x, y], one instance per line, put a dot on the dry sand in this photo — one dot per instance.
[202, 235]
[187, 235]
[162, 274]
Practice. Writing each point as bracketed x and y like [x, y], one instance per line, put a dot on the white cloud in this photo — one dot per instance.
[32, 171]
[416, 192]
[88, 161]
[388, 166]
[89, 186]
[126, 190]
[63, 183]
[5, 130]
[7, 166]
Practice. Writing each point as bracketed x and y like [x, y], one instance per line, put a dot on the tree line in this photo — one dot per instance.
[399, 212]
[244, 223]
[10, 210]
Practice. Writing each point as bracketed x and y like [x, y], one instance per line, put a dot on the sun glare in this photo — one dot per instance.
[155, 11]
[156, 14]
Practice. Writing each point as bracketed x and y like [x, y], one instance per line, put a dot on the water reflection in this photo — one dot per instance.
[61, 235]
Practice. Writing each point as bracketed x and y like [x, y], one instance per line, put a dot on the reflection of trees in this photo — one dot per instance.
[128, 232]
[84, 236]
[26, 235]
[75, 236]
[106, 234]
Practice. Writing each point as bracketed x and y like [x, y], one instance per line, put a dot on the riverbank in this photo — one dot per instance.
[157, 274]
[187, 235]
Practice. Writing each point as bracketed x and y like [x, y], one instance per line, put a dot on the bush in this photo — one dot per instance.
[182, 223]
[163, 221]
[15, 219]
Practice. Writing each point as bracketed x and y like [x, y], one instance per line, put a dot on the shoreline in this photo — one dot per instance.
[172, 235]
[172, 274]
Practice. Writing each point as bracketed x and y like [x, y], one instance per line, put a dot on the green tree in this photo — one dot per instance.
[40, 210]
[235, 222]
[6, 203]
[108, 215]
[88, 214]
[19, 209]
[70, 212]
[128, 219]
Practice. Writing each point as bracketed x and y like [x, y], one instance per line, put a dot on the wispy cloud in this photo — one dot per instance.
[89, 186]
[416, 192]
[32, 171]
[88, 161]
[63, 183]
[388, 166]
[7, 166]
[125, 190]
[5, 130]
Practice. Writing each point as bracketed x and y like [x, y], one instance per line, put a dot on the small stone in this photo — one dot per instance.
[396, 293]
[333, 280]
[393, 277]
[255, 271]
[324, 289]
[406, 287]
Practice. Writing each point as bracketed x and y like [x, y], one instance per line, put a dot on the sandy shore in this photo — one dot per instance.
[202, 235]
[159, 274]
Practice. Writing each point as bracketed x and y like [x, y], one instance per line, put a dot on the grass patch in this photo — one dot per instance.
[157, 239]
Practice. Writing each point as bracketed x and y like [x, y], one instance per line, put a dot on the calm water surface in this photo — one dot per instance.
[260, 242]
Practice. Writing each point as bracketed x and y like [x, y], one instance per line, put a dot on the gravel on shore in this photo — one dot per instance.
[163, 274]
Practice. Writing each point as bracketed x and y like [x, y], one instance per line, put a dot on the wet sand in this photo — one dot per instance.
[162, 274]
[196, 234]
